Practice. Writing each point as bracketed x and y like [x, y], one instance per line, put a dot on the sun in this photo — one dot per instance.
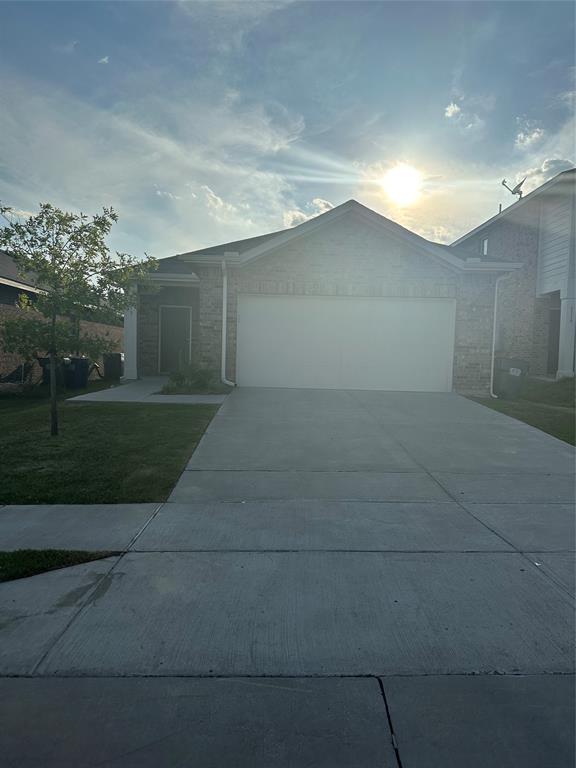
[402, 184]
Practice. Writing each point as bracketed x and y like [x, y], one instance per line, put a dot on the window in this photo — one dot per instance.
[484, 247]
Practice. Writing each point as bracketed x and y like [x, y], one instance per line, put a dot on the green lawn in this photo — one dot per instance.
[105, 453]
[555, 420]
[28, 562]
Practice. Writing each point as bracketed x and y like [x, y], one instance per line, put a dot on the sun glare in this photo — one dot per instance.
[402, 184]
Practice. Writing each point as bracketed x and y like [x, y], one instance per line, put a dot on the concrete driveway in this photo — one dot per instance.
[338, 579]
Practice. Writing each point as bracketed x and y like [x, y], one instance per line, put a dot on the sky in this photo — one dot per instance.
[207, 122]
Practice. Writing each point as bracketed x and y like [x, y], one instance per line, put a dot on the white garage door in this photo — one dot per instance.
[332, 342]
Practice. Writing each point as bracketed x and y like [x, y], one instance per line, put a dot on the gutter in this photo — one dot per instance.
[494, 329]
[224, 325]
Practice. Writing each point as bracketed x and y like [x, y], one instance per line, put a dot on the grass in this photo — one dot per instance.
[105, 453]
[550, 392]
[544, 404]
[32, 396]
[558, 421]
[28, 562]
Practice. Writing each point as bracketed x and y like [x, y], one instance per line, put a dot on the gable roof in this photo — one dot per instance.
[563, 176]
[241, 252]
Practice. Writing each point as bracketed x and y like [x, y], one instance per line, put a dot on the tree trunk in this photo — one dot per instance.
[53, 393]
[53, 379]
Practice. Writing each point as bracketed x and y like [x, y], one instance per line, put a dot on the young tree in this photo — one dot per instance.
[67, 256]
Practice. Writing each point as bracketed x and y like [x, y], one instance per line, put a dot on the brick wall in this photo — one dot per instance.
[523, 315]
[353, 258]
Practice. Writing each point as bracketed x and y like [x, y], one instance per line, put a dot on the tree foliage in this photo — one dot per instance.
[66, 256]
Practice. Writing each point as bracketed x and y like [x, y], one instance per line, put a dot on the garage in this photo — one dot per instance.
[338, 342]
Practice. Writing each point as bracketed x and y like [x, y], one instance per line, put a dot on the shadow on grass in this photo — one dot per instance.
[28, 562]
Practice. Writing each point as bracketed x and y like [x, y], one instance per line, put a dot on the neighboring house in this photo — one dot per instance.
[12, 286]
[536, 305]
[346, 300]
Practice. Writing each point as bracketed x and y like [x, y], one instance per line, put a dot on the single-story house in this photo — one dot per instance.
[349, 299]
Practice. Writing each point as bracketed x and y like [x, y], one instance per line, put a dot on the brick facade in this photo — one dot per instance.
[524, 316]
[349, 258]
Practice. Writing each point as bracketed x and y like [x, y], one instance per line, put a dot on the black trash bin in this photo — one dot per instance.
[76, 373]
[508, 376]
[44, 363]
[113, 365]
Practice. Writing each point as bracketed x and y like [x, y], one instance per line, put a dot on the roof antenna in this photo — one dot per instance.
[517, 189]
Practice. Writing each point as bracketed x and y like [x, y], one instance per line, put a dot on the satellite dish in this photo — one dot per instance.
[517, 190]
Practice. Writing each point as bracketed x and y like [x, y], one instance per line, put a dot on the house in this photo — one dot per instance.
[536, 313]
[12, 284]
[348, 299]
[12, 287]
[353, 300]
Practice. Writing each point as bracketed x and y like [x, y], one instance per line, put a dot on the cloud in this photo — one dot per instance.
[18, 213]
[222, 211]
[452, 110]
[463, 115]
[211, 169]
[104, 60]
[295, 216]
[545, 158]
[169, 195]
[526, 139]
[225, 24]
[529, 134]
[473, 123]
[567, 99]
[549, 168]
[67, 49]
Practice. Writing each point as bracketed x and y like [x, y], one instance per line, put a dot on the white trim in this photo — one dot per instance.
[224, 326]
[173, 306]
[130, 343]
[168, 279]
[18, 284]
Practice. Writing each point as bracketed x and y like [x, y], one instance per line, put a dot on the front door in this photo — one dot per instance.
[175, 338]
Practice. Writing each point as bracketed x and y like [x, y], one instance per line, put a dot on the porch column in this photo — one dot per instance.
[131, 343]
[567, 344]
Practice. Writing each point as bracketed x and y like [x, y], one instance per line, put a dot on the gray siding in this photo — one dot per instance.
[554, 248]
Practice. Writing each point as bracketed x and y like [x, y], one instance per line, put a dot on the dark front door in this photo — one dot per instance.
[175, 329]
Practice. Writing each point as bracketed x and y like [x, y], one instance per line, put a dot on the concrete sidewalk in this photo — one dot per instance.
[144, 391]
[338, 579]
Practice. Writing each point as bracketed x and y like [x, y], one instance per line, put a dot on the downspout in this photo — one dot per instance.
[494, 329]
[224, 325]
